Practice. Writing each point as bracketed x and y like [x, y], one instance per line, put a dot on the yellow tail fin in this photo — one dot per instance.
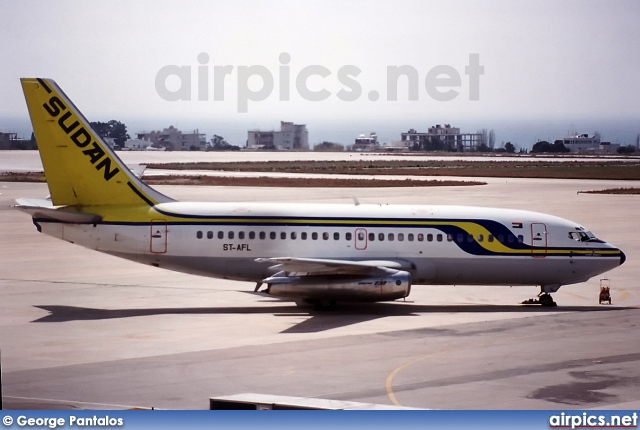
[81, 169]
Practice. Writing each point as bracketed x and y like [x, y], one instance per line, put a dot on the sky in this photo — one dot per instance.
[226, 67]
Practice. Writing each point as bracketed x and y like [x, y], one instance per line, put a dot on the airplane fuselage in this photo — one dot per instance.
[435, 244]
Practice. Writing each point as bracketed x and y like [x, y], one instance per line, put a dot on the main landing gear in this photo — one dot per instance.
[544, 298]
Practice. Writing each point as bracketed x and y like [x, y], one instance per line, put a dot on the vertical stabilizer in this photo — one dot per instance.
[81, 169]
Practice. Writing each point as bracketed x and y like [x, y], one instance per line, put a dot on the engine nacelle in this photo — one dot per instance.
[348, 289]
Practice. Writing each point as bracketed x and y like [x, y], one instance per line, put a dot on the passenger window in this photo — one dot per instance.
[480, 238]
[199, 235]
[231, 235]
[372, 237]
[252, 235]
[293, 235]
[283, 235]
[460, 238]
[209, 235]
[469, 238]
[439, 238]
[336, 236]
[511, 238]
[391, 236]
[347, 236]
[221, 235]
[401, 237]
[501, 238]
[272, 235]
[420, 237]
[490, 238]
[325, 236]
[410, 237]
[314, 236]
[303, 235]
[520, 238]
[380, 236]
[241, 235]
[263, 235]
[449, 238]
[429, 237]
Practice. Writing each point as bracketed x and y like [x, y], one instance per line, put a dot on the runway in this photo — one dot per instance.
[79, 329]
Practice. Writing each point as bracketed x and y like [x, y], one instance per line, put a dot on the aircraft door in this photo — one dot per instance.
[538, 240]
[361, 239]
[158, 243]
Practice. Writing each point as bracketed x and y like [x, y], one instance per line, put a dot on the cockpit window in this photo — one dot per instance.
[583, 236]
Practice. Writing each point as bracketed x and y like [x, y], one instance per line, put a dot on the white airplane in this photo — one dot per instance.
[317, 254]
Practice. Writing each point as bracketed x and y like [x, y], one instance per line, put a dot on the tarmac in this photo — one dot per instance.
[79, 329]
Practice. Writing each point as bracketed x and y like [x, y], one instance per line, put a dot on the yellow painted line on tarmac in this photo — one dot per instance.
[624, 294]
[388, 384]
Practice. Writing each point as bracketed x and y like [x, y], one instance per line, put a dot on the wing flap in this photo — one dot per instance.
[318, 266]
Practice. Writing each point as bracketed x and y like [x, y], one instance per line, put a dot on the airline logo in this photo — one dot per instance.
[70, 124]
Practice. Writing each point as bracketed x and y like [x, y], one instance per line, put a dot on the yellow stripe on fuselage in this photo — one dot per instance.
[145, 214]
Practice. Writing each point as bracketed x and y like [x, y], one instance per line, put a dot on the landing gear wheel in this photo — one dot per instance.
[547, 301]
[325, 305]
[318, 305]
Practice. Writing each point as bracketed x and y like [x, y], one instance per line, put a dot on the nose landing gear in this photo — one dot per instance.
[544, 298]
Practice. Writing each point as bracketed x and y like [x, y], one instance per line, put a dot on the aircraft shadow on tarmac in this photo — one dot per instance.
[317, 321]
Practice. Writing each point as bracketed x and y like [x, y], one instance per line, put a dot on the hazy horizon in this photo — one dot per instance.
[522, 133]
[342, 67]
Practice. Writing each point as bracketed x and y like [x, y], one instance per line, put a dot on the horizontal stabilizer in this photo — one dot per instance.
[44, 209]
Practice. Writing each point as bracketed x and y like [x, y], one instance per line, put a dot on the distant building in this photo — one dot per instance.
[366, 143]
[173, 139]
[137, 145]
[5, 140]
[11, 141]
[442, 138]
[583, 144]
[291, 137]
[110, 141]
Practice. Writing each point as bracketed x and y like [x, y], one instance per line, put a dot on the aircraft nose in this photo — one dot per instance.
[623, 258]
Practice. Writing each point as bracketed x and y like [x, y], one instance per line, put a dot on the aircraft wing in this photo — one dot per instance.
[317, 266]
[44, 209]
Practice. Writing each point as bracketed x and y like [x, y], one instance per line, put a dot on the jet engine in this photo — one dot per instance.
[342, 288]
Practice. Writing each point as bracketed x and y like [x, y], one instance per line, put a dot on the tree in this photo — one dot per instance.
[544, 146]
[629, 149]
[113, 129]
[508, 147]
[541, 146]
[218, 143]
[492, 140]
[483, 147]
[328, 146]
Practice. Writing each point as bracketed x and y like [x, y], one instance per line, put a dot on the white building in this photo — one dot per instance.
[445, 138]
[291, 137]
[366, 143]
[173, 139]
[136, 145]
[583, 144]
